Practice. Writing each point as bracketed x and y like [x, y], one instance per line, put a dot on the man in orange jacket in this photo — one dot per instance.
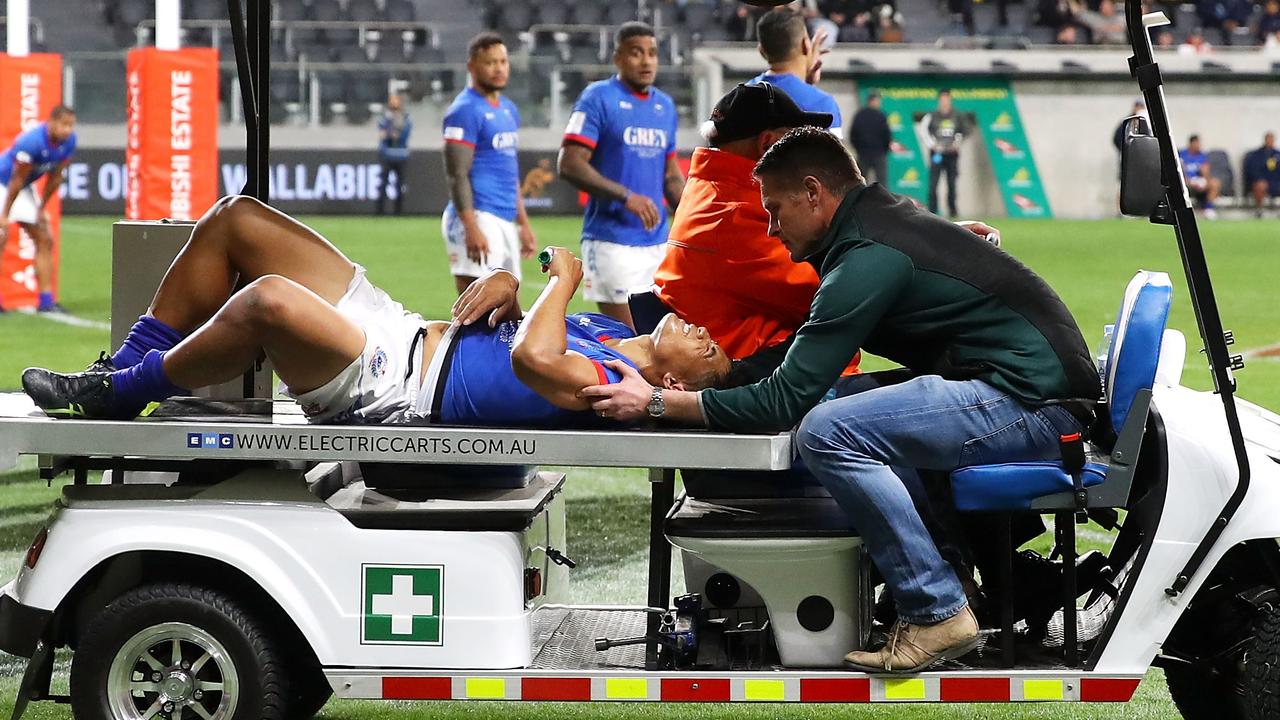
[721, 264]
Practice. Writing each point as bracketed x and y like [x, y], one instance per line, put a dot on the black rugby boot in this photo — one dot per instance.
[79, 395]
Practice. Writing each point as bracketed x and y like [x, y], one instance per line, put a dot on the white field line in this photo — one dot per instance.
[71, 320]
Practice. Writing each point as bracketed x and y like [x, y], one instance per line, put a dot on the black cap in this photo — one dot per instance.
[749, 110]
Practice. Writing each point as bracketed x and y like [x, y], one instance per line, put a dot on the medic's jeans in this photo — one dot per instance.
[927, 423]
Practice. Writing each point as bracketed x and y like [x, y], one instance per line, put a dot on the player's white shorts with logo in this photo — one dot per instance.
[380, 386]
[24, 210]
[504, 244]
[613, 272]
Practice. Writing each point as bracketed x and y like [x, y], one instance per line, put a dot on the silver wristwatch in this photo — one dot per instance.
[656, 406]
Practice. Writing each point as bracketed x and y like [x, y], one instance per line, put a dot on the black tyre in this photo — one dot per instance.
[1261, 676]
[1202, 692]
[168, 648]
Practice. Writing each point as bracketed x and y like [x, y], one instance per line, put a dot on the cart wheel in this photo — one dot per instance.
[176, 651]
[1206, 693]
[1262, 668]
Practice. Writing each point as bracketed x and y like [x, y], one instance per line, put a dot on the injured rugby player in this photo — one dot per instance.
[349, 353]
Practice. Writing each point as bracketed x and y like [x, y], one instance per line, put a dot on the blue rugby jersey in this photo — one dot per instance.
[808, 97]
[1192, 163]
[481, 388]
[631, 136]
[493, 131]
[34, 147]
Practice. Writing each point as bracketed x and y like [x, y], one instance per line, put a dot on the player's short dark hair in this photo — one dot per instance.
[944, 91]
[812, 151]
[1192, 139]
[482, 42]
[630, 29]
[60, 111]
[780, 33]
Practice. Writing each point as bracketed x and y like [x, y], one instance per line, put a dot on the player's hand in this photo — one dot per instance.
[528, 242]
[626, 400]
[813, 61]
[564, 265]
[982, 230]
[494, 295]
[642, 207]
[477, 243]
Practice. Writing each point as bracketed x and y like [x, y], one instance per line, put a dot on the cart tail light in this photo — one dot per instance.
[37, 547]
[532, 583]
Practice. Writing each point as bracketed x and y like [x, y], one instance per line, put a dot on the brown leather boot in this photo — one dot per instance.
[912, 648]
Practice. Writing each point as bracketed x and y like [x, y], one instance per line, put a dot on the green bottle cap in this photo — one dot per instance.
[544, 257]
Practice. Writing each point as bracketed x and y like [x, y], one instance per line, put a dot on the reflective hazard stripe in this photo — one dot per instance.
[744, 687]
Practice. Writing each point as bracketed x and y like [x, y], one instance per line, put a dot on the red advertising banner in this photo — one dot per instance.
[30, 87]
[172, 147]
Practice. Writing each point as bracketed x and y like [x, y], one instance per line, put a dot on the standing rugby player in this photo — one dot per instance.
[484, 225]
[44, 149]
[620, 148]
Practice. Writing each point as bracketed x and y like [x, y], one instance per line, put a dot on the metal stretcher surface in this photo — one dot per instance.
[285, 435]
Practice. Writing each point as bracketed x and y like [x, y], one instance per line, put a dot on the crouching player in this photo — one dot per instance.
[349, 353]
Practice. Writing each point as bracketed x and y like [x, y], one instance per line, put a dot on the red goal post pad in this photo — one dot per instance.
[172, 146]
[30, 87]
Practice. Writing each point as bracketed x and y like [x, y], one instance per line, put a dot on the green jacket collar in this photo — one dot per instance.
[839, 225]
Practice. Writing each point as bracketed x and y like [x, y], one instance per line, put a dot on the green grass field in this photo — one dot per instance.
[1089, 263]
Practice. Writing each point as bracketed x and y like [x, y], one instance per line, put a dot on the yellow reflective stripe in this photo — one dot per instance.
[765, 690]
[910, 689]
[1042, 690]
[486, 688]
[626, 689]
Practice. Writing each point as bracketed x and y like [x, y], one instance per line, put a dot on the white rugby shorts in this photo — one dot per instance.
[613, 272]
[25, 209]
[504, 244]
[382, 385]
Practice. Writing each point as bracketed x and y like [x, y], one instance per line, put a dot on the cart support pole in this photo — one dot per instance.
[662, 486]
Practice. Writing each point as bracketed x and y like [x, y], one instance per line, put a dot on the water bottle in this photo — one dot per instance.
[1107, 331]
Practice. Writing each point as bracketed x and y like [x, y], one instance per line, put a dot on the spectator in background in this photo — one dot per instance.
[1225, 15]
[1164, 40]
[1269, 23]
[1262, 172]
[944, 129]
[1105, 24]
[889, 27]
[393, 149]
[870, 137]
[1201, 183]
[1195, 44]
[795, 62]
[854, 19]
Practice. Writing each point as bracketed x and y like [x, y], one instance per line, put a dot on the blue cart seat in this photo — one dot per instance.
[1130, 368]
[1012, 486]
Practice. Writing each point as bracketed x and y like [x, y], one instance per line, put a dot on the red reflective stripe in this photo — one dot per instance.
[460, 142]
[604, 379]
[417, 688]
[835, 690]
[1107, 689]
[1070, 438]
[974, 690]
[695, 690]
[555, 689]
[581, 140]
[602, 338]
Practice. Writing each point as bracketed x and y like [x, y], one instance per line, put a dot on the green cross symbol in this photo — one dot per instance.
[402, 604]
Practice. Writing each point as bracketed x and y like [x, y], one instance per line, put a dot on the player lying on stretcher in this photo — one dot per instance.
[350, 354]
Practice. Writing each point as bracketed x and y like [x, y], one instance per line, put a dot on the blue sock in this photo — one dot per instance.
[46, 300]
[145, 382]
[146, 334]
